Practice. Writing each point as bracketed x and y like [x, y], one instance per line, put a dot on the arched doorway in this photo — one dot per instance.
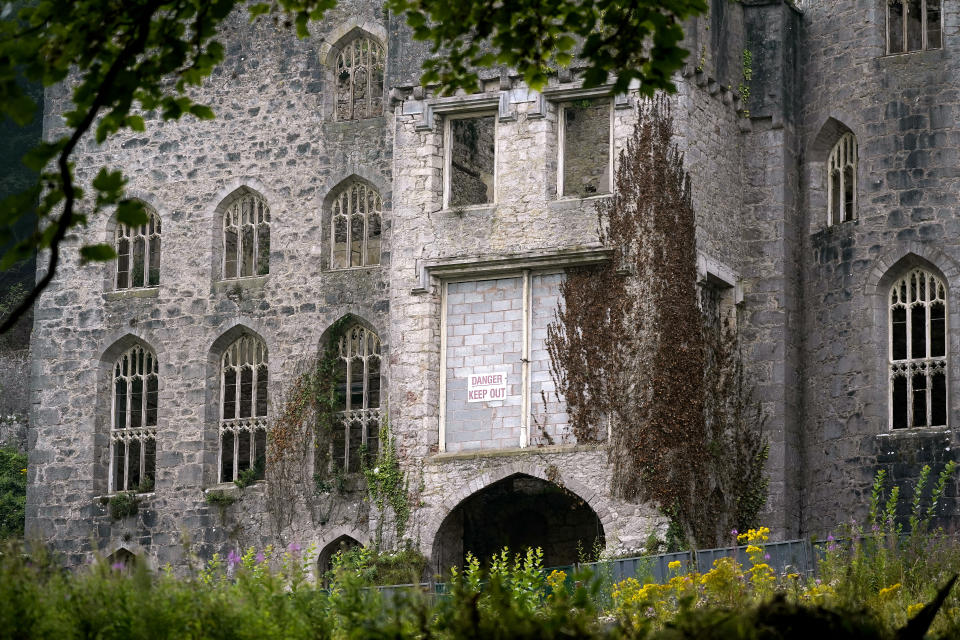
[518, 512]
[325, 560]
[122, 560]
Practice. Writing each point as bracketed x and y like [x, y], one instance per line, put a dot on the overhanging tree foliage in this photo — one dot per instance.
[124, 57]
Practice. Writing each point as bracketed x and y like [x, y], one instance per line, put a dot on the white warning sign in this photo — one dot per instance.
[485, 387]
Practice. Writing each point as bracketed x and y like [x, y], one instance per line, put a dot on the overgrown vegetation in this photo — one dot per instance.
[630, 348]
[13, 493]
[887, 579]
[387, 483]
[124, 505]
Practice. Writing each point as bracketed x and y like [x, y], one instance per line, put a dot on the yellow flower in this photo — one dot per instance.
[914, 609]
[751, 549]
[889, 591]
[793, 576]
[675, 565]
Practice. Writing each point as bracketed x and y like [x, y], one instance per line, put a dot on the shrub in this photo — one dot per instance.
[123, 505]
[13, 493]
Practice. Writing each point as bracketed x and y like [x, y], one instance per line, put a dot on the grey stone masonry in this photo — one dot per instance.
[472, 252]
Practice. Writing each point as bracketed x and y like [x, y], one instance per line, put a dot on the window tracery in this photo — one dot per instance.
[246, 237]
[133, 432]
[356, 227]
[138, 253]
[359, 79]
[243, 408]
[918, 351]
[358, 399]
[842, 180]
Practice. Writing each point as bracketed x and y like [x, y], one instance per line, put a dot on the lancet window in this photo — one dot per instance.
[842, 180]
[243, 408]
[356, 227]
[138, 253]
[133, 432]
[358, 399]
[246, 237]
[359, 79]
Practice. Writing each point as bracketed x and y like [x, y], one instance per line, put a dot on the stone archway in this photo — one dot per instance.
[325, 559]
[518, 512]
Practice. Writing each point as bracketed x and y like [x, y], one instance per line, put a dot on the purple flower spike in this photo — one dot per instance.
[293, 547]
[830, 538]
[766, 556]
[233, 558]
[733, 532]
[118, 566]
[261, 557]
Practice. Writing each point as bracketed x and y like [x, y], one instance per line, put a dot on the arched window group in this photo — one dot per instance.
[356, 226]
[358, 399]
[244, 375]
[359, 79]
[138, 253]
[133, 424]
[918, 351]
[842, 180]
[246, 237]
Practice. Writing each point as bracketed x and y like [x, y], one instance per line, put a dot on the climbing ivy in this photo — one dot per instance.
[387, 483]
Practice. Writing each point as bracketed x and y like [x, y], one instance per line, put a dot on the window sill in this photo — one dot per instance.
[567, 203]
[911, 432]
[904, 55]
[473, 208]
[124, 294]
[248, 282]
[476, 454]
[366, 267]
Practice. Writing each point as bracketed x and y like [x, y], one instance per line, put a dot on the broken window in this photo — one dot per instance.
[918, 351]
[357, 400]
[842, 180]
[355, 228]
[470, 160]
[585, 156]
[138, 253]
[246, 237]
[360, 79]
[243, 408]
[133, 432]
[913, 25]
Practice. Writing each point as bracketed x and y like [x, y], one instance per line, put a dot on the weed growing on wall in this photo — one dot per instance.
[13, 493]
[629, 348]
[387, 483]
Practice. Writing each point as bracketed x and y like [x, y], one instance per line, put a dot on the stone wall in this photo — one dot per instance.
[904, 111]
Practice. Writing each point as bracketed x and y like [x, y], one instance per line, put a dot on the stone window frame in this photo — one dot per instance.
[136, 363]
[337, 194]
[149, 235]
[903, 36]
[561, 141]
[901, 295]
[448, 117]
[246, 352]
[346, 45]
[843, 160]
[367, 418]
[232, 213]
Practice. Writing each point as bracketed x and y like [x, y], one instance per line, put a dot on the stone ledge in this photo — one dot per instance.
[457, 456]
[124, 294]
[245, 284]
[568, 203]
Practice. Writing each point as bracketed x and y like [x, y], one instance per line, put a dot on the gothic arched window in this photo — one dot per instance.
[359, 79]
[246, 237]
[842, 180]
[357, 399]
[243, 408]
[133, 425]
[918, 351]
[356, 218]
[138, 253]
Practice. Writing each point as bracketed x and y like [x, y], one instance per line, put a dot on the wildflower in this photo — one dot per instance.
[233, 558]
[793, 576]
[118, 566]
[260, 557]
[675, 565]
[889, 591]
[914, 609]
[733, 532]
[766, 556]
[830, 538]
[751, 549]
[293, 547]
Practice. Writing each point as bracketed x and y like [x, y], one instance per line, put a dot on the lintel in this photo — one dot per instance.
[459, 267]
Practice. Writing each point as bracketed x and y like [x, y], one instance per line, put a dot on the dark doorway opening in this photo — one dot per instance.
[518, 512]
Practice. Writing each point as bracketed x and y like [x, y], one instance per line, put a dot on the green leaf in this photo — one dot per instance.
[136, 123]
[202, 112]
[97, 253]
[108, 181]
[132, 213]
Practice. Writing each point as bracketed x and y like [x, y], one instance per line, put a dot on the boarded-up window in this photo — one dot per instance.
[471, 145]
[586, 148]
